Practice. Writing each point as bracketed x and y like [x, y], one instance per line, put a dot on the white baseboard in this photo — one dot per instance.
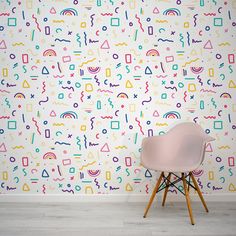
[109, 198]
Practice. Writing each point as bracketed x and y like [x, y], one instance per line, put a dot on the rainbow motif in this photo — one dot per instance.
[197, 70]
[49, 52]
[172, 12]
[152, 52]
[49, 155]
[69, 12]
[93, 70]
[122, 95]
[225, 95]
[94, 173]
[69, 115]
[19, 95]
[172, 115]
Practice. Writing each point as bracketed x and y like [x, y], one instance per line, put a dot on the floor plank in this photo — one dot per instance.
[115, 219]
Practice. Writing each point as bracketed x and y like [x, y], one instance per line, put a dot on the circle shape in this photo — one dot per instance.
[12, 56]
[115, 159]
[175, 67]
[148, 19]
[77, 188]
[180, 85]
[45, 122]
[140, 47]
[75, 105]
[148, 122]
[37, 47]
[178, 105]
[37, 150]
[1, 28]
[27, 127]
[207, 131]
[45, 19]
[207, 28]
[1, 131]
[218, 56]
[115, 56]
[104, 131]
[130, 23]
[218, 159]
[131, 127]
[77, 85]
[12, 159]
[104, 28]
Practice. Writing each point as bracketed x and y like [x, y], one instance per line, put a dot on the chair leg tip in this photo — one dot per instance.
[144, 216]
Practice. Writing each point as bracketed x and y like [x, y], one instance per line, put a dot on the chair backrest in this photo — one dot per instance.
[190, 128]
[183, 145]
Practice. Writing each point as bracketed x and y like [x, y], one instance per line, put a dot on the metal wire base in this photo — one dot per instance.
[166, 183]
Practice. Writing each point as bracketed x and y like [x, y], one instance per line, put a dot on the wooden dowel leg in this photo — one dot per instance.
[187, 199]
[199, 191]
[153, 194]
[166, 190]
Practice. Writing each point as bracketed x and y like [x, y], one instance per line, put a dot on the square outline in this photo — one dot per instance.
[9, 126]
[10, 19]
[112, 21]
[117, 122]
[216, 21]
[219, 122]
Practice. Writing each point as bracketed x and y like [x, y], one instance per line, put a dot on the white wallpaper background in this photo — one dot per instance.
[82, 82]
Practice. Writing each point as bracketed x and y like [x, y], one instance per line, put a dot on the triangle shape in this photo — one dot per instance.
[148, 174]
[45, 71]
[45, 174]
[208, 45]
[90, 155]
[128, 84]
[26, 187]
[53, 113]
[3, 45]
[105, 148]
[53, 11]
[90, 52]
[209, 148]
[232, 188]
[232, 84]
[3, 147]
[155, 10]
[193, 52]
[128, 188]
[148, 71]
[156, 114]
[105, 45]
[26, 84]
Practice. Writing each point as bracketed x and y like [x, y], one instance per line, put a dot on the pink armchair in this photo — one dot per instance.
[182, 150]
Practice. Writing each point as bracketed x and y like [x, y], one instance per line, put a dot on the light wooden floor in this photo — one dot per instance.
[101, 219]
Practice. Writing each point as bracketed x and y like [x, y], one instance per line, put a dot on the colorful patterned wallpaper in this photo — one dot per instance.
[82, 82]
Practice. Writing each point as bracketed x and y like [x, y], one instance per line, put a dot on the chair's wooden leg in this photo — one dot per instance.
[199, 191]
[187, 199]
[153, 195]
[166, 190]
